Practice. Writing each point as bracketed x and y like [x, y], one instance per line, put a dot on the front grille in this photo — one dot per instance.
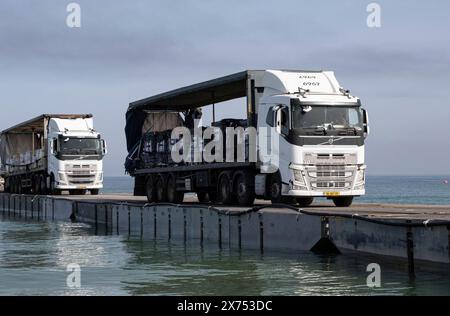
[330, 159]
[330, 185]
[81, 174]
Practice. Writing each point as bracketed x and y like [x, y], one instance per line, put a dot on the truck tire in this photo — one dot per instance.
[43, 185]
[94, 192]
[7, 187]
[150, 189]
[52, 188]
[244, 188]
[213, 197]
[275, 189]
[35, 184]
[173, 196]
[305, 201]
[15, 185]
[19, 186]
[203, 197]
[344, 201]
[161, 189]
[225, 189]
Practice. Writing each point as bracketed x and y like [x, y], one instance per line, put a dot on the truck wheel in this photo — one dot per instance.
[212, 197]
[52, 188]
[225, 189]
[35, 183]
[150, 190]
[174, 196]
[203, 197]
[19, 186]
[12, 185]
[275, 189]
[161, 190]
[305, 201]
[93, 191]
[43, 185]
[344, 201]
[7, 187]
[244, 188]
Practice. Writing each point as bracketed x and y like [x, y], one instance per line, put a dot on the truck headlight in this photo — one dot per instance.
[360, 177]
[62, 177]
[298, 176]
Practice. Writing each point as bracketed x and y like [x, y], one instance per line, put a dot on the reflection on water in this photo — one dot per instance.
[34, 256]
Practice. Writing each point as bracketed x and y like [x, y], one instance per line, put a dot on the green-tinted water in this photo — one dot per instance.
[34, 257]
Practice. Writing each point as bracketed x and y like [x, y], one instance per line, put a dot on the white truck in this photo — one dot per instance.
[52, 153]
[318, 128]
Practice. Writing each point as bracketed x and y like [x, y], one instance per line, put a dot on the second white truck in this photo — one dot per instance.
[53, 153]
[315, 128]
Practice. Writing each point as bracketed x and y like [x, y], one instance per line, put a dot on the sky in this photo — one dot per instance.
[125, 51]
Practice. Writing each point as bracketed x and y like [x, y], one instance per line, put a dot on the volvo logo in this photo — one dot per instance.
[331, 141]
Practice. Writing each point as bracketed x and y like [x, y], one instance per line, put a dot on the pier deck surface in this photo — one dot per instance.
[371, 210]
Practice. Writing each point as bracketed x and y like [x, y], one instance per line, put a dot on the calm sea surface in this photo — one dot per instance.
[379, 189]
[34, 257]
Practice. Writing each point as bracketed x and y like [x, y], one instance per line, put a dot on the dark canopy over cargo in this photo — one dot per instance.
[190, 97]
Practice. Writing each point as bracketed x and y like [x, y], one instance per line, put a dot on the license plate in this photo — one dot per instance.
[332, 193]
[82, 187]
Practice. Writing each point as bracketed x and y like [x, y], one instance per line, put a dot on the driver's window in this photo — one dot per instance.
[283, 120]
[55, 145]
[353, 117]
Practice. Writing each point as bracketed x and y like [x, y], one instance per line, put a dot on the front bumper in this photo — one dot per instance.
[80, 180]
[326, 181]
[328, 194]
[79, 187]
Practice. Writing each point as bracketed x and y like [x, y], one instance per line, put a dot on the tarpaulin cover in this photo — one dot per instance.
[14, 145]
[140, 122]
[183, 99]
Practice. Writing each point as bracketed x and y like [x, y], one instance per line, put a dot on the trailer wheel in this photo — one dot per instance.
[174, 196]
[7, 187]
[43, 185]
[225, 189]
[344, 201]
[150, 189]
[244, 188]
[19, 186]
[12, 184]
[213, 197]
[161, 190]
[305, 201]
[203, 197]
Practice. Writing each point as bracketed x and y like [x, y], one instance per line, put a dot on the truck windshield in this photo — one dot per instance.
[80, 146]
[326, 116]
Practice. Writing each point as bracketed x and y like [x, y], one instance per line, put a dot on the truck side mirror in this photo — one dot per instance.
[104, 148]
[366, 122]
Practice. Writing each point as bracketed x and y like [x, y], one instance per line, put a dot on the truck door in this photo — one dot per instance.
[268, 147]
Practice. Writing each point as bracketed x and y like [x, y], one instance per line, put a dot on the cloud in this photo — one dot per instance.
[125, 52]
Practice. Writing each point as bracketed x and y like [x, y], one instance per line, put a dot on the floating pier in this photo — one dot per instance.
[415, 233]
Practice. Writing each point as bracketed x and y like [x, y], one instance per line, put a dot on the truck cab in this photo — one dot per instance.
[75, 155]
[53, 153]
[319, 131]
